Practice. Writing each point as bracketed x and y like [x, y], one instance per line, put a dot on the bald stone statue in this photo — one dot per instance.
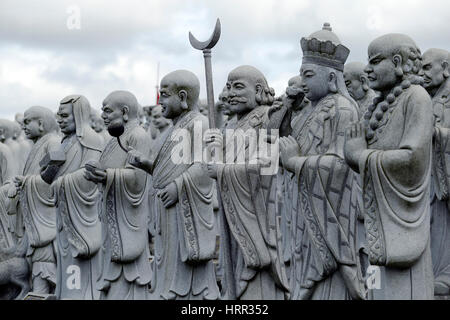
[358, 85]
[324, 262]
[78, 229]
[125, 268]
[391, 150]
[436, 80]
[253, 266]
[36, 214]
[183, 222]
[158, 120]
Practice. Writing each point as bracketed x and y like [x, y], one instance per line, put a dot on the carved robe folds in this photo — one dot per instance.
[37, 214]
[78, 227]
[440, 206]
[125, 269]
[325, 264]
[185, 233]
[254, 267]
[395, 172]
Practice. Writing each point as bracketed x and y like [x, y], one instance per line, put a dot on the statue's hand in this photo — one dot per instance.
[135, 158]
[18, 181]
[355, 144]
[95, 175]
[212, 170]
[169, 195]
[289, 149]
[213, 138]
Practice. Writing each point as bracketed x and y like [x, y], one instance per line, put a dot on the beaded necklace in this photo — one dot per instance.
[372, 119]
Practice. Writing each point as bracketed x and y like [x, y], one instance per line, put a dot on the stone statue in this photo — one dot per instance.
[36, 214]
[288, 114]
[436, 76]
[125, 268]
[358, 85]
[324, 263]
[158, 120]
[253, 267]
[391, 150]
[78, 229]
[99, 127]
[182, 198]
[9, 150]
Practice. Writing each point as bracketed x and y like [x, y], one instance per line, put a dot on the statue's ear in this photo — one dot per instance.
[445, 67]
[332, 82]
[41, 125]
[183, 99]
[259, 88]
[398, 61]
[364, 82]
[125, 112]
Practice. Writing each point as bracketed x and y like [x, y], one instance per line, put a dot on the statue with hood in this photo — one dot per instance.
[391, 151]
[78, 229]
[324, 264]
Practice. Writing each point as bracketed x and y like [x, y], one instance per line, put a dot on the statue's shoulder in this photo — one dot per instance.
[337, 104]
[259, 116]
[416, 91]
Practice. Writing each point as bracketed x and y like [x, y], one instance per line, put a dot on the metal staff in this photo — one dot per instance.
[206, 47]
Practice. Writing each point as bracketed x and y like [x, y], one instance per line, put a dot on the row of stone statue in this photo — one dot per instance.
[358, 208]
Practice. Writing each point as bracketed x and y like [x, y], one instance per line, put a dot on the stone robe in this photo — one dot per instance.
[36, 214]
[8, 169]
[125, 268]
[365, 102]
[440, 212]
[78, 227]
[185, 233]
[324, 261]
[395, 172]
[250, 236]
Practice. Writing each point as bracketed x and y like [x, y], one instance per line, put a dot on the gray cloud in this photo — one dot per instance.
[120, 42]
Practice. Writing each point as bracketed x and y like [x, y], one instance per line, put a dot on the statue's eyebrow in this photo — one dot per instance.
[374, 57]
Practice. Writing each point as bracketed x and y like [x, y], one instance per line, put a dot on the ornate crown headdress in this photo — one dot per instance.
[324, 48]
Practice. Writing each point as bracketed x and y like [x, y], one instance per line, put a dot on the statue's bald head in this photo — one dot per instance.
[123, 99]
[44, 115]
[354, 69]
[254, 77]
[435, 69]
[435, 54]
[395, 46]
[250, 73]
[185, 80]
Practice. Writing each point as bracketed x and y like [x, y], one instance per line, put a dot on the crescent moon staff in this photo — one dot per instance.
[206, 47]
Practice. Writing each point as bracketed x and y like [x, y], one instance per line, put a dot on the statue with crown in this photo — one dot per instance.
[324, 264]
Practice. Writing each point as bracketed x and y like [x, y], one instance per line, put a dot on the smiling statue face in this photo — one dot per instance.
[435, 64]
[32, 126]
[241, 93]
[65, 118]
[314, 81]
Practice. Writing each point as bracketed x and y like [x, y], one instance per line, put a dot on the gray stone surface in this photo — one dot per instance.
[391, 151]
[436, 74]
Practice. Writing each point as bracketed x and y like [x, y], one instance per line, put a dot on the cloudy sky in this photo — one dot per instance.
[49, 49]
